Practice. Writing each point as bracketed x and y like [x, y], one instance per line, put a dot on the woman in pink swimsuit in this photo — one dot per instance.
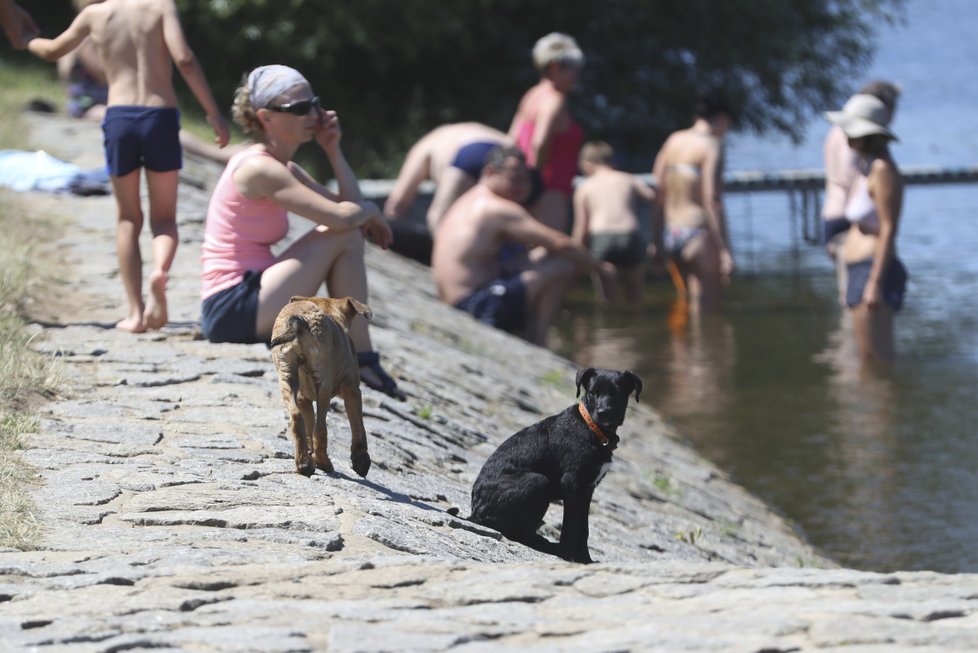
[244, 284]
[544, 129]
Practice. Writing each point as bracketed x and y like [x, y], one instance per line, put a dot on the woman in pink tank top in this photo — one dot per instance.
[244, 284]
[544, 129]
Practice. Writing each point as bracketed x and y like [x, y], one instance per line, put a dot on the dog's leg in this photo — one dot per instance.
[301, 420]
[574, 529]
[354, 412]
[320, 437]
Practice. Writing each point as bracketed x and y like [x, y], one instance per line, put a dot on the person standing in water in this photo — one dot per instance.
[877, 279]
[689, 173]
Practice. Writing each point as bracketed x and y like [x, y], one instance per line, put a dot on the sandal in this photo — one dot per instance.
[383, 381]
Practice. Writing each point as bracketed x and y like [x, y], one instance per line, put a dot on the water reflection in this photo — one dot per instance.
[862, 416]
[699, 362]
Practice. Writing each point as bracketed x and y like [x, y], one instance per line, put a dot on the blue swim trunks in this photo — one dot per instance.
[471, 158]
[500, 303]
[894, 283]
[141, 137]
[231, 314]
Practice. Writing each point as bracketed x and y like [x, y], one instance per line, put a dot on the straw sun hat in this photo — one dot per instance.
[862, 115]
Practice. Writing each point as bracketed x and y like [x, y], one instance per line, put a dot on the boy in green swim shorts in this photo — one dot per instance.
[606, 207]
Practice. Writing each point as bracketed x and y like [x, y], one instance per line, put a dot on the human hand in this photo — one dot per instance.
[378, 231]
[328, 131]
[726, 265]
[221, 133]
[872, 295]
[19, 27]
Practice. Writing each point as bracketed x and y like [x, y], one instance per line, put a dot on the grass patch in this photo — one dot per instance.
[24, 374]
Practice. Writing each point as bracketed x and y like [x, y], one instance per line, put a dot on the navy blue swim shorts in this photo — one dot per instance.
[471, 158]
[231, 314]
[141, 137]
[894, 283]
[500, 303]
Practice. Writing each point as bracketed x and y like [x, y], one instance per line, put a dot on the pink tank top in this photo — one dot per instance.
[565, 146]
[239, 232]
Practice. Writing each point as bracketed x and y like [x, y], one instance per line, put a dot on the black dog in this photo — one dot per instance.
[564, 456]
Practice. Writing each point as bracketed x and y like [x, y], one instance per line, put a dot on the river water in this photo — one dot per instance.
[877, 469]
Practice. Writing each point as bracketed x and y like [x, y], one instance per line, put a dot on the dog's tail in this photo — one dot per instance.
[295, 324]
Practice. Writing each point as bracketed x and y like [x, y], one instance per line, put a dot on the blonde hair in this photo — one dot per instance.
[556, 48]
[597, 153]
[243, 112]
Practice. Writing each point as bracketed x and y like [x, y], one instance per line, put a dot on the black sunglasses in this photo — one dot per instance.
[297, 108]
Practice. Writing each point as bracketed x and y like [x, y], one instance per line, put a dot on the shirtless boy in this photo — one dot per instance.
[136, 40]
[466, 262]
[606, 218]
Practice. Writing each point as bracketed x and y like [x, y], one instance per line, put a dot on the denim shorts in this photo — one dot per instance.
[231, 314]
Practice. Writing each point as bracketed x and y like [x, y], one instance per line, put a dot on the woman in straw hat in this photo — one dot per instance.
[876, 277]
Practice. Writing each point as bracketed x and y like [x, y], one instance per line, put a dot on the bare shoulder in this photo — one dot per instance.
[586, 186]
[259, 171]
[884, 172]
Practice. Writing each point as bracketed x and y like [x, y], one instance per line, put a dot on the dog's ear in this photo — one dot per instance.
[583, 377]
[636, 383]
[353, 307]
[297, 298]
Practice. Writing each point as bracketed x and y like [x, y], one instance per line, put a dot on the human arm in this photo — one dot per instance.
[712, 193]
[262, 177]
[644, 192]
[328, 135]
[518, 225]
[18, 25]
[415, 169]
[658, 214]
[886, 189]
[186, 62]
[68, 40]
[582, 216]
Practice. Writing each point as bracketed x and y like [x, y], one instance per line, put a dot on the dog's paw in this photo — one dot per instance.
[361, 462]
[325, 466]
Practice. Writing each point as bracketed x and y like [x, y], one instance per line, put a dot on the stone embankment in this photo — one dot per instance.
[173, 518]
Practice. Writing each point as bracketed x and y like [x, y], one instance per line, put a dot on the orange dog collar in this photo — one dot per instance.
[598, 433]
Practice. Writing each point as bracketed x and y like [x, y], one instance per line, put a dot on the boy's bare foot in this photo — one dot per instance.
[155, 316]
[131, 324]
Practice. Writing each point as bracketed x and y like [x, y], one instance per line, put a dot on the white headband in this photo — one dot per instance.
[268, 82]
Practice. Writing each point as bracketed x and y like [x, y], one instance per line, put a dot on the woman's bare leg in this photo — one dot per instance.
[301, 270]
[873, 330]
[701, 269]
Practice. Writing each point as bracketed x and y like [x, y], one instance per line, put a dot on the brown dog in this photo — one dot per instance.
[314, 356]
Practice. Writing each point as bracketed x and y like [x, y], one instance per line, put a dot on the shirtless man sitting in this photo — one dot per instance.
[520, 294]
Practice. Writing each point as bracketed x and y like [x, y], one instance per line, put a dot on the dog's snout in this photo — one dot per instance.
[605, 413]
